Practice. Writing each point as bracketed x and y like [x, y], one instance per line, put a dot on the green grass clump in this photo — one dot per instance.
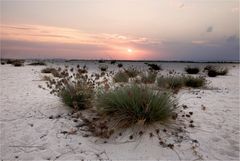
[194, 82]
[132, 72]
[77, 96]
[134, 104]
[121, 77]
[177, 82]
[149, 77]
[171, 82]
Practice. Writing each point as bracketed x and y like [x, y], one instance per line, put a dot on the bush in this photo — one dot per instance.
[77, 96]
[154, 66]
[215, 71]
[149, 77]
[103, 67]
[171, 82]
[75, 89]
[113, 61]
[120, 65]
[177, 82]
[131, 72]
[194, 82]
[134, 104]
[53, 71]
[121, 77]
[192, 70]
[17, 63]
[37, 63]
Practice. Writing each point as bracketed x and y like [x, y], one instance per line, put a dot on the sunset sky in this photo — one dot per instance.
[205, 30]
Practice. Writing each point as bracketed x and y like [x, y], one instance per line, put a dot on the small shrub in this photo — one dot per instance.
[113, 61]
[121, 77]
[37, 63]
[47, 70]
[101, 61]
[74, 88]
[17, 63]
[214, 71]
[149, 77]
[194, 82]
[154, 66]
[103, 67]
[135, 104]
[171, 82]
[120, 65]
[192, 70]
[131, 72]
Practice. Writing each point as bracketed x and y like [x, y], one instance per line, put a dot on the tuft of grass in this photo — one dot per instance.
[149, 77]
[103, 67]
[192, 70]
[194, 82]
[134, 104]
[37, 63]
[153, 66]
[177, 82]
[77, 96]
[132, 72]
[121, 77]
[171, 82]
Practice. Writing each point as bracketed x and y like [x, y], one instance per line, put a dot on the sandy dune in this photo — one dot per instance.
[27, 133]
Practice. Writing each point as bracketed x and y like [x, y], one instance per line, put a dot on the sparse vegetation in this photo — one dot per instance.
[149, 77]
[17, 63]
[37, 63]
[53, 71]
[154, 66]
[120, 65]
[192, 70]
[121, 76]
[135, 105]
[214, 71]
[177, 82]
[132, 72]
[103, 67]
[194, 82]
[76, 90]
[171, 82]
[113, 61]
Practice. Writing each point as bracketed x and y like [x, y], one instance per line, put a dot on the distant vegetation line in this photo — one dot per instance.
[122, 60]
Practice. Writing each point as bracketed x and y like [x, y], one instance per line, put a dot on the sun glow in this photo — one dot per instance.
[129, 50]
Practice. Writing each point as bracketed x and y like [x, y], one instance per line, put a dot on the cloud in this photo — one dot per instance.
[233, 38]
[199, 42]
[235, 10]
[209, 29]
[181, 5]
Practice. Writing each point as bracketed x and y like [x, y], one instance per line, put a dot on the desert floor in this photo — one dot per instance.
[27, 133]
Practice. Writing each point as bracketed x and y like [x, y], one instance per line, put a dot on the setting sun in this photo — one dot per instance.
[130, 50]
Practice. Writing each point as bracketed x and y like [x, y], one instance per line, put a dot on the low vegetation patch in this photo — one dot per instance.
[135, 104]
[149, 77]
[214, 71]
[103, 67]
[153, 66]
[194, 82]
[37, 63]
[192, 70]
[75, 89]
[132, 72]
[120, 65]
[121, 76]
[177, 82]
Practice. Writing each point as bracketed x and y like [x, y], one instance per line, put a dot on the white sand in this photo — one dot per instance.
[27, 133]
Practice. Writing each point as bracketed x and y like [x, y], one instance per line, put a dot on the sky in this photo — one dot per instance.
[197, 30]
